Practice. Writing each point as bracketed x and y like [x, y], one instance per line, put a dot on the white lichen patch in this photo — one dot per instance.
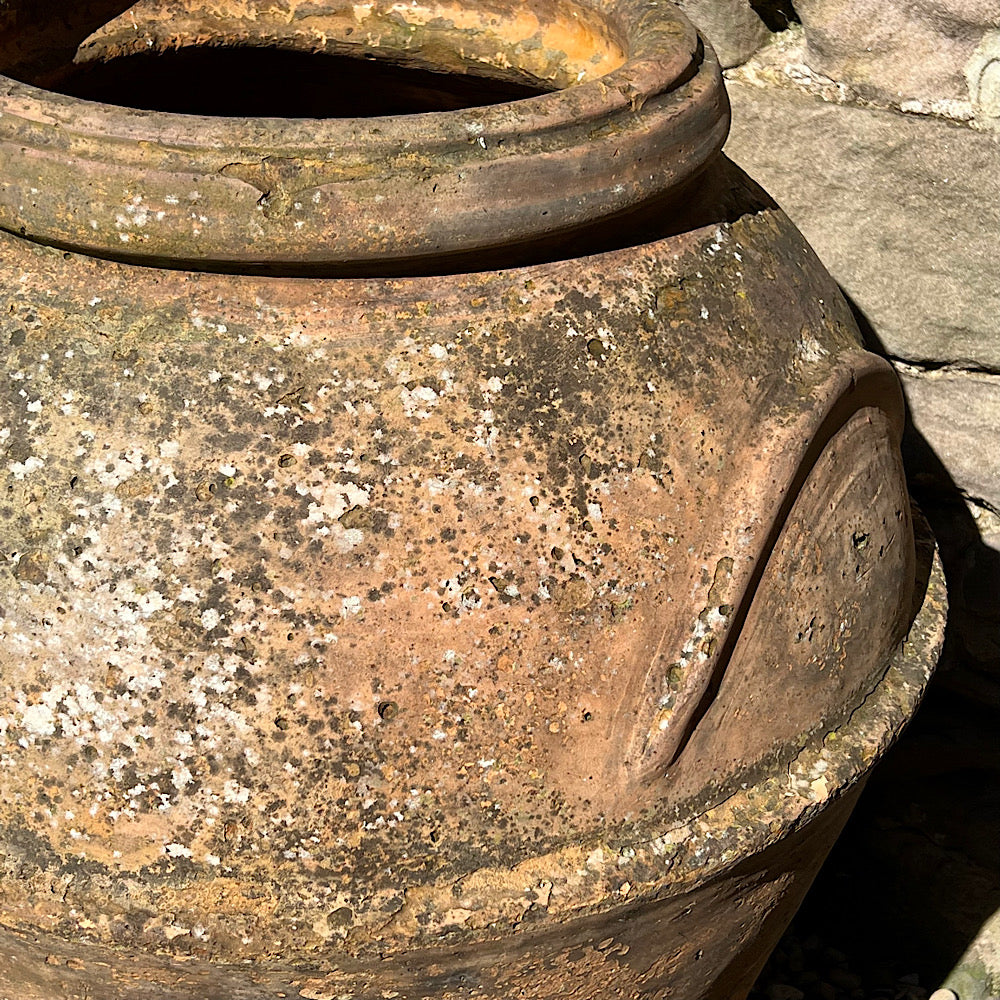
[350, 606]
[419, 401]
[39, 720]
[329, 501]
[21, 470]
[809, 350]
[210, 618]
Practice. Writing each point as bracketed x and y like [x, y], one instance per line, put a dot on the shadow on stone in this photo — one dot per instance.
[776, 14]
[905, 901]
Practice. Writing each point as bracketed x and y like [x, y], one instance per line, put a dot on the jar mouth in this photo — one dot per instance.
[334, 60]
[242, 81]
[305, 137]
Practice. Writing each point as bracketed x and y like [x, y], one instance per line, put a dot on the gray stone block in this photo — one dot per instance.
[958, 414]
[899, 52]
[732, 26]
[905, 213]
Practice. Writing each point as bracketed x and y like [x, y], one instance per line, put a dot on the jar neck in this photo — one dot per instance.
[507, 182]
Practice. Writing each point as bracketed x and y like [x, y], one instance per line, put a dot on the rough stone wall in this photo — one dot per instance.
[932, 57]
[876, 125]
[737, 31]
[924, 55]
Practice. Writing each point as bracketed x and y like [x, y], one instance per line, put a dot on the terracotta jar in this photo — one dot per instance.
[452, 541]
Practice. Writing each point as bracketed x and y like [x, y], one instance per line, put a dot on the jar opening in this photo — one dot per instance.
[234, 58]
[247, 81]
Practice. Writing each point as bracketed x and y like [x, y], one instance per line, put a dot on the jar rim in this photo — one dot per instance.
[227, 193]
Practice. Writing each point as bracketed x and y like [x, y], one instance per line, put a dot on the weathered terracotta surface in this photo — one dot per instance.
[450, 634]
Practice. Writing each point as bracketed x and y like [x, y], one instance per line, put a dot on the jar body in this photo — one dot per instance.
[449, 636]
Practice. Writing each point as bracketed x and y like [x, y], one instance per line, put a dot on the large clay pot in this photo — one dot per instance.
[459, 553]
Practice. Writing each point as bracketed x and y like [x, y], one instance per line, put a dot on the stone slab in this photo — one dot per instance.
[958, 414]
[904, 211]
[734, 28]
